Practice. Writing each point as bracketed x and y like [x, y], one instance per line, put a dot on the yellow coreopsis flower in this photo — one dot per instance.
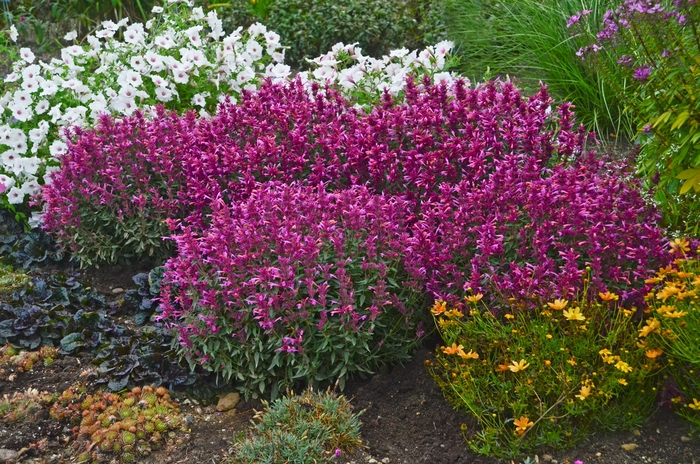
[605, 352]
[522, 424]
[665, 309]
[608, 296]
[668, 291]
[622, 382]
[676, 314]
[574, 314]
[585, 391]
[679, 245]
[623, 366]
[695, 405]
[439, 307]
[454, 313]
[653, 353]
[470, 355]
[558, 304]
[509, 316]
[518, 366]
[652, 325]
[454, 349]
[474, 298]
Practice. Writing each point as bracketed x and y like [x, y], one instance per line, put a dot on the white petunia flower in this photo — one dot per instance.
[254, 49]
[15, 196]
[164, 94]
[157, 9]
[197, 13]
[138, 63]
[58, 148]
[72, 35]
[277, 71]
[256, 29]
[27, 55]
[199, 99]
[20, 112]
[134, 34]
[49, 88]
[42, 107]
[129, 78]
[154, 60]
[13, 33]
[6, 183]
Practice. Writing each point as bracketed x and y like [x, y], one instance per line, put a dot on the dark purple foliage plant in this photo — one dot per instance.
[294, 285]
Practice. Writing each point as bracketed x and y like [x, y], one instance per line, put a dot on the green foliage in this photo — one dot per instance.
[544, 378]
[657, 51]
[46, 21]
[675, 323]
[143, 298]
[310, 28]
[140, 357]
[311, 427]
[529, 40]
[126, 426]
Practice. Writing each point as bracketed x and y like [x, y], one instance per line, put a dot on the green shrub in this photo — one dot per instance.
[529, 39]
[311, 27]
[312, 427]
[657, 49]
[544, 378]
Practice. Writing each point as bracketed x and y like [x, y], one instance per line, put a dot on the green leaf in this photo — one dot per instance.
[72, 342]
[680, 120]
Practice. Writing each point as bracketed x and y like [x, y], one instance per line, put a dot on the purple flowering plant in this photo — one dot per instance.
[294, 285]
[655, 45]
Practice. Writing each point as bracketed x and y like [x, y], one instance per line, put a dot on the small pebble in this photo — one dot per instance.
[685, 439]
[117, 290]
[547, 457]
[372, 461]
[629, 446]
[385, 460]
[598, 454]
[636, 432]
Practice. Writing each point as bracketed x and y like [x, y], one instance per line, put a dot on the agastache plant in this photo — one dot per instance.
[294, 285]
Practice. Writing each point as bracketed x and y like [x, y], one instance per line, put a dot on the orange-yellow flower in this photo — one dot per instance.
[623, 366]
[522, 424]
[652, 325]
[474, 298]
[585, 391]
[519, 366]
[502, 368]
[608, 296]
[622, 382]
[558, 304]
[547, 362]
[654, 353]
[439, 307]
[680, 245]
[470, 355]
[665, 309]
[605, 352]
[695, 405]
[675, 314]
[574, 314]
[454, 349]
[509, 316]
[454, 313]
[668, 291]
[571, 361]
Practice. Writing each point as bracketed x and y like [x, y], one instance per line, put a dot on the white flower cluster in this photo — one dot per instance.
[181, 58]
[347, 67]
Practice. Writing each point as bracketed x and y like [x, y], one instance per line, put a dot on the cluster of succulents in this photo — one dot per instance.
[26, 360]
[126, 426]
[21, 406]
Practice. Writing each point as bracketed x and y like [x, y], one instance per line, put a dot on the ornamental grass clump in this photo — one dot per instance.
[672, 328]
[543, 378]
[311, 427]
[648, 50]
[528, 230]
[294, 286]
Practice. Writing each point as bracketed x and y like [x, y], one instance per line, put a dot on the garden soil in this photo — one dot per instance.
[405, 420]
